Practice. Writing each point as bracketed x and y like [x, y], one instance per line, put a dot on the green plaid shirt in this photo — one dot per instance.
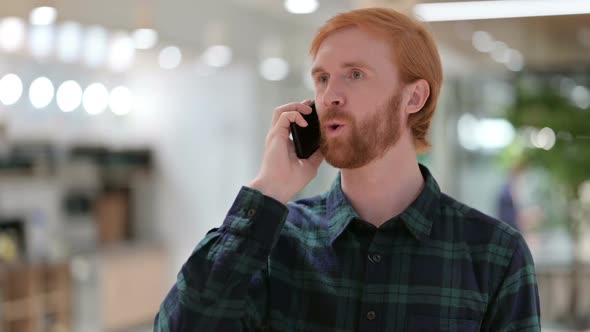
[315, 265]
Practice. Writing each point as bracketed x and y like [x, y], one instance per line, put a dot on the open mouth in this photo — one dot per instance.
[334, 128]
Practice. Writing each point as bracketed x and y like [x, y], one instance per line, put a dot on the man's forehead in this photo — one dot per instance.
[349, 51]
[353, 42]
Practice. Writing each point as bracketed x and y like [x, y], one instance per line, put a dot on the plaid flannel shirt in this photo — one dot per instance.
[315, 265]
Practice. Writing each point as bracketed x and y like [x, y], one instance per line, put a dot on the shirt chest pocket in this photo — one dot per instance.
[432, 324]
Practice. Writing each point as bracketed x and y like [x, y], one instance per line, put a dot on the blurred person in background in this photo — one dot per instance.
[384, 249]
[517, 210]
[507, 204]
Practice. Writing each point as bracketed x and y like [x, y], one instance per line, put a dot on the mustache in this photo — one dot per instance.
[331, 114]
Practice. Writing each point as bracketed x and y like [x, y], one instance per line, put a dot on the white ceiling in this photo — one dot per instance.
[547, 43]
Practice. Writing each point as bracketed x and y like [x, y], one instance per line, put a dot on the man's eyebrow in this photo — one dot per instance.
[352, 64]
[316, 69]
[357, 64]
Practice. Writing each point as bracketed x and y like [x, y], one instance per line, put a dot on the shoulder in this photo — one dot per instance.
[474, 225]
[495, 261]
[488, 240]
[493, 248]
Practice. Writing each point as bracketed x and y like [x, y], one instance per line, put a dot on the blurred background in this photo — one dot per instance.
[128, 127]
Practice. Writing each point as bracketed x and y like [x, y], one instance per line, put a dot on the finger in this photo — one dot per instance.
[299, 107]
[288, 117]
[282, 126]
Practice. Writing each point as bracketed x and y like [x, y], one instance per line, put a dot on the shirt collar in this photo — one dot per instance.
[418, 217]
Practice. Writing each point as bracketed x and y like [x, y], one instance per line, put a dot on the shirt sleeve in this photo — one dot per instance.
[515, 305]
[224, 284]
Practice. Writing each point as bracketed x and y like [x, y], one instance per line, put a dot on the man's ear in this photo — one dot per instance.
[419, 92]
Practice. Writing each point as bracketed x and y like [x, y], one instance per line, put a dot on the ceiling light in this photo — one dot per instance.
[12, 33]
[544, 138]
[515, 60]
[482, 41]
[122, 52]
[169, 57]
[566, 86]
[580, 95]
[565, 135]
[480, 10]
[44, 15]
[95, 98]
[11, 89]
[301, 6]
[69, 96]
[217, 56]
[41, 92]
[492, 134]
[41, 40]
[95, 46]
[501, 52]
[466, 129]
[274, 69]
[121, 100]
[69, 38]
[486, 134]
[145, 39]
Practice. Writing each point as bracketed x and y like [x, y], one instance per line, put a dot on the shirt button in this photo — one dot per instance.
[375, 258]
[251, 213]
[371, 315]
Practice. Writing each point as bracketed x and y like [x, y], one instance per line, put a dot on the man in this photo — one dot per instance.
[384, 249]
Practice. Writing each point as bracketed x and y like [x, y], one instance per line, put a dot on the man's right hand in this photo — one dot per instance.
[282, 174]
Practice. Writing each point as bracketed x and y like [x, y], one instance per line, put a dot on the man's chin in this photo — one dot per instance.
[341, 157]
[335, 154]
[345, 163]
[336, 162]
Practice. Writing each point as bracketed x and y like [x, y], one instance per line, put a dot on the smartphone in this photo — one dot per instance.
[307, 139]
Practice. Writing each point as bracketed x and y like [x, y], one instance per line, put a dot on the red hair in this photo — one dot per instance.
[414, 51]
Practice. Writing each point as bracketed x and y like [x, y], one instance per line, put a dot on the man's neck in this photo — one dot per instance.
[385, 187]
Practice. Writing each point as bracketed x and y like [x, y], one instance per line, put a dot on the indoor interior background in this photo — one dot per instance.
[127, 127]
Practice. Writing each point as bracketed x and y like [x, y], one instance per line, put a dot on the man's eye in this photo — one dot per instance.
[357, 75]
[322, 79]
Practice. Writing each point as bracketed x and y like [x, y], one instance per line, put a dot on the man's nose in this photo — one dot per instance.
[333, 95]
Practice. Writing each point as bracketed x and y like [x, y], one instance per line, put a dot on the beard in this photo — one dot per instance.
[365, 140]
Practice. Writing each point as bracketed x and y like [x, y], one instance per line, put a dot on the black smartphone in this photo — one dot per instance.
[307, 139]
